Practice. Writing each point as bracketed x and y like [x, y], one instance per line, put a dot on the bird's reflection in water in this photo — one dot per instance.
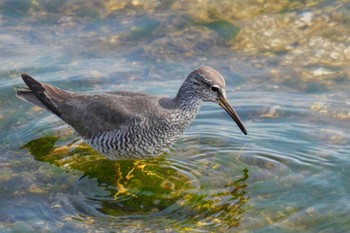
[157, 187]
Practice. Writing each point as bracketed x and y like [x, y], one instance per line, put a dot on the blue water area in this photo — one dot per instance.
[286, 66]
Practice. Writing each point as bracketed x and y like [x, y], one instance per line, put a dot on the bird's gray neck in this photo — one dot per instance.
[187, 99]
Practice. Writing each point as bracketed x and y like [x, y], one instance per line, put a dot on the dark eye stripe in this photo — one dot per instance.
[207, 84]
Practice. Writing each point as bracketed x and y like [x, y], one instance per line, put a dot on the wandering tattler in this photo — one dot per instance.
[131, 125]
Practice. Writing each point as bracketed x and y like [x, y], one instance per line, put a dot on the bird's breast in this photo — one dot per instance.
[142, 138]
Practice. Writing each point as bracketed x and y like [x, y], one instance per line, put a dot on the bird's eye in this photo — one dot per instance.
[214, 88]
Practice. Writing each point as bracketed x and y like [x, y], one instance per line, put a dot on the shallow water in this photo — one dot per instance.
[287, 75]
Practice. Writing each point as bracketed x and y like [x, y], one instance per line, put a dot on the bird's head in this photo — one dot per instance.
[209, 85]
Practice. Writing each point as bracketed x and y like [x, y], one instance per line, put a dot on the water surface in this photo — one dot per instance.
[287, 75]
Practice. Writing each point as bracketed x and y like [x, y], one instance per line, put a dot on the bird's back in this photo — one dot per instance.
[96, 113]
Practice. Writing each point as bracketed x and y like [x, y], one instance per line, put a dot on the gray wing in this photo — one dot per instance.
[89, 114]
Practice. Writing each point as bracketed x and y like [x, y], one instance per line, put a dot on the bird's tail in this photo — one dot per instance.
[42, 95]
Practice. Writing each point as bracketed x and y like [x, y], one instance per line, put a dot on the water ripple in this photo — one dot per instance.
[166, 193]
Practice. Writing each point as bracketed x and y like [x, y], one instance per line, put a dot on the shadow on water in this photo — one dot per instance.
[157, 192]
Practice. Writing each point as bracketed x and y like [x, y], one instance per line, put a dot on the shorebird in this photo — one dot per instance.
[131, 125]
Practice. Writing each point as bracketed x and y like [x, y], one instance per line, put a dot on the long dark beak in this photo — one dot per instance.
[223, 102]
